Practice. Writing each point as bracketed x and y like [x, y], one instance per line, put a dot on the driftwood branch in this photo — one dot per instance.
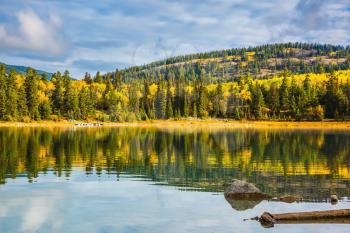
[339, 216]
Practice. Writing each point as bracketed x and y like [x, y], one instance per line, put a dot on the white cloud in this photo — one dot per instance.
[133, 33]
[33, 34]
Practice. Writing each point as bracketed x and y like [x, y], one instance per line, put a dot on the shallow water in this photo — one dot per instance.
[151, 180]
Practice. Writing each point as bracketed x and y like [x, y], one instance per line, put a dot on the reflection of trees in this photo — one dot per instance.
[276, 160]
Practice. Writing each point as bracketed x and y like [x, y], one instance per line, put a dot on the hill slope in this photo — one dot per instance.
[22, 70]
[260, 62]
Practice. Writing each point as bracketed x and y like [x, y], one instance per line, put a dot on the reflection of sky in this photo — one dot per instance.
[102, 204]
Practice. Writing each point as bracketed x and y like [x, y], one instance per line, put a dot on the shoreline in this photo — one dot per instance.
[193, 123]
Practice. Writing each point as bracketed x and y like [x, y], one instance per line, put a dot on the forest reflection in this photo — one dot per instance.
[312, 163]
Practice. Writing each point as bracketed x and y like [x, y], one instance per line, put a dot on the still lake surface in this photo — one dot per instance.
[172, 180]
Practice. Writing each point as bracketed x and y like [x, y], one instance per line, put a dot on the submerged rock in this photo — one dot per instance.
[289, 198]
[242, 195]
[240, 189]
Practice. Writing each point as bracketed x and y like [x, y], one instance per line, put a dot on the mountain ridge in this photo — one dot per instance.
[22, 69]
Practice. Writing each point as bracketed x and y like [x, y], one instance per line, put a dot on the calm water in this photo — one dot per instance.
[150, 180]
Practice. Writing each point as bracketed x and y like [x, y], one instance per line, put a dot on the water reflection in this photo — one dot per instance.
[308, 163]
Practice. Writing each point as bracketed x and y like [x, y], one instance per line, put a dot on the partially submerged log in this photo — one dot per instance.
[268, 219]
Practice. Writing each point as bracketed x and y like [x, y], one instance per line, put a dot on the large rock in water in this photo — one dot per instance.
[240, 189]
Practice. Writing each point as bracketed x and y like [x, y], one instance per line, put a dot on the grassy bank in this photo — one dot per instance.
[212, 123]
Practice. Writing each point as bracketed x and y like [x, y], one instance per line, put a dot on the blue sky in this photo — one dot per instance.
[103, 35]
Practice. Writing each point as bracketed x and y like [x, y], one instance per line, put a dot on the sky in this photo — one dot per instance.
[87, 36]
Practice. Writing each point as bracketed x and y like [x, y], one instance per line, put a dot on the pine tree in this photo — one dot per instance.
[87, 78]
[22, 103]
[231, 104]
[45, 110]
[147, 104]
[186, 105]
[332, 99]
[31, 88]
[274, 99]
[284, 96]
[257, 102]
[11, 93]
[98, 77]
[57, 95]
[107, 94]
[169, 102]
[160, 102]
[2, 92]
[84, 104]
[117, 79]
[70, 103]
[202, 102]
[134, 101]
[219, 102]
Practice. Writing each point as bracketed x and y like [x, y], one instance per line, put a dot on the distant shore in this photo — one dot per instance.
[195, 123]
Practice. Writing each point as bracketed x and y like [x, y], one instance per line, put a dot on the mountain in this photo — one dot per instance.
[22, 70]
[259, 62]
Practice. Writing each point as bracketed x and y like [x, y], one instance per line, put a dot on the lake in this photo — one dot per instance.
[144, 179]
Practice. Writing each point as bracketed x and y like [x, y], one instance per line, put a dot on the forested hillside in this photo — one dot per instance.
[259, 62]
[315, 87]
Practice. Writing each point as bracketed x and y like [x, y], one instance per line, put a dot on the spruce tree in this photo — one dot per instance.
[160, 102]
[22, 103]
[186, 112]
[70, 103]
[169, 102]
[134, 101]
[231, 104]
[284, 96]
[202, 102]
[45, 110]
[12, 94]
[273, 98]
[31, 88]
[2, 92]
[57, 95]
[219, 102]
[84, 96]
[257, 102]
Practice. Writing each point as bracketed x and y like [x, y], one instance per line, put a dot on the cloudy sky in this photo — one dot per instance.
[82, 35]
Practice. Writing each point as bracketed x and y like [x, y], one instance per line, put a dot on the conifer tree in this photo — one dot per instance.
[257, 102]
[70, 97]
[2, 92]
[84, 104]
[31, 88]
[284, 96]
[134, 101]
[202, 102]
[160, 102]
[57, 95]
[186, 112]
[219, 102]
[12, 94]
[98, 77]
[273, 97]
[231, 104]
[22, 103]
[45, 110]
[169, 102]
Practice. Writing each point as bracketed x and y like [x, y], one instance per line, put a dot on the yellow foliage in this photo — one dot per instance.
[153, 89]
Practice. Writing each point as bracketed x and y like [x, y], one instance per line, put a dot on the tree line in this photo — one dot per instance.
[171, 96]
